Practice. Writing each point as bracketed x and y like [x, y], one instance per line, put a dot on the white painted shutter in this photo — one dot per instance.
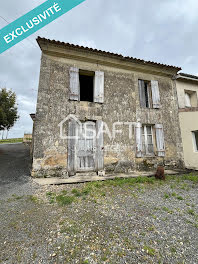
[99, 87]
[187, 100]
[74, 84]
[72, 132]
[138, 136]
[160, 140]
[155, 94]
[99, 146]
[142, 93]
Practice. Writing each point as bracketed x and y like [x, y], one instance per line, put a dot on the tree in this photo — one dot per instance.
[8, 109]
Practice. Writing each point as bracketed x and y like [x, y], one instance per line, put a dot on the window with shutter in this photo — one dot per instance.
[155, 94]
[147, 140]
[99, 87]
[160, 140]
[86, 85]
[138, 136]
[149, 94]
[142, 93]
[74, 84]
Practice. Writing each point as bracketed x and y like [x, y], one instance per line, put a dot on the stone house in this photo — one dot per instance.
[187, 91]
[130, 104]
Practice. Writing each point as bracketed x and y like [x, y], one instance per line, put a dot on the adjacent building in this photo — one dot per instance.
[187, 90]
[129, 105]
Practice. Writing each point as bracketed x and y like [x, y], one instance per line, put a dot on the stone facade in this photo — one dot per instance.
[121, 103]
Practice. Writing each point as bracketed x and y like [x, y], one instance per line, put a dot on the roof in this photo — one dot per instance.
[187, 76]
[132, 59]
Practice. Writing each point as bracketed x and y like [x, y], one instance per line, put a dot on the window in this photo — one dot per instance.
[149, 94]
[195, 140]
[147, 140]
[86, 86]
[187, 100]
[190, 98]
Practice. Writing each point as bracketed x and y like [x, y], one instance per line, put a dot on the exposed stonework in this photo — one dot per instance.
[121, 103]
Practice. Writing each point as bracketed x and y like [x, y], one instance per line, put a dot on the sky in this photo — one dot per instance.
[163, 31]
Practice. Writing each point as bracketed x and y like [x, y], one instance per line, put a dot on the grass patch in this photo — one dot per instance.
[51, 197]
[166, 196]
[11, 140]
[191, 212]
[76, 192]
[33, 199]
[64, 200]
[180, 198]
[165, 209]
[150, 251]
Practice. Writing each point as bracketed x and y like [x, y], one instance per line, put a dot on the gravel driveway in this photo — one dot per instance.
[14, 166]
[119, 221]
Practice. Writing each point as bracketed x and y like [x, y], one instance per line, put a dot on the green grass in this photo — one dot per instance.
[191, 212]
[11, 140]
[64, 200]
[166, 195]
[180, 198]
[150, 251]
[100, 189]
[165, 209]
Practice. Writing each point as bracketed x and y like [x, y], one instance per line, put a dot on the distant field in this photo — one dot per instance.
[11, 140]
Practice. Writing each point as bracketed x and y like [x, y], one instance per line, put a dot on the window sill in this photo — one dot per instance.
[86, 103]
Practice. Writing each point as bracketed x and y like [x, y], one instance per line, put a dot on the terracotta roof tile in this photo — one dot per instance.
[106, 53]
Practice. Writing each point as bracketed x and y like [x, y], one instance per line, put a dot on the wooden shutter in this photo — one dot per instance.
[138, 136]
[155, 94]
[160, 140]
[72, 133]
[99, 87]
[142, 93]
[99, 146]
[74, 84]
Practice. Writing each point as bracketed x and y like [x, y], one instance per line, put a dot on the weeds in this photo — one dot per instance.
[191, 212]
[64, 200]
[150, 251]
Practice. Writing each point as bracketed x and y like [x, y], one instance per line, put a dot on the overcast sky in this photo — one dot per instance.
[164, 31]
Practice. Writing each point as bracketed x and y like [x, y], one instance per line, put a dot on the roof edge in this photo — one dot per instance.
[141, 61]
[187, 76]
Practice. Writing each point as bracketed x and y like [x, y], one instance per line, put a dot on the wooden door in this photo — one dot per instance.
[86, 147]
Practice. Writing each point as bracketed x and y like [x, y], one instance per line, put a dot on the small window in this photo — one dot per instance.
[149, 94]
[195, 140]
[187, 99]
[147, 140]
[190, 99]
[86, 86]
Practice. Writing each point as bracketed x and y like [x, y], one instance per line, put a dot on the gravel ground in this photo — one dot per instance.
[14, 166]
[117, 221]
